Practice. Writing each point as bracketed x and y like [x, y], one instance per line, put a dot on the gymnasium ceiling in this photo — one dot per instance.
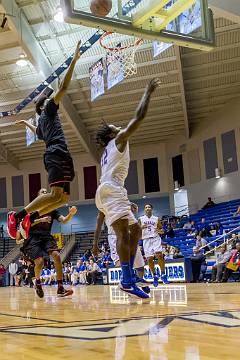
[194, 83]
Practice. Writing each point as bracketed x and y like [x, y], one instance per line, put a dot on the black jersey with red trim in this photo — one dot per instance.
[50, 130]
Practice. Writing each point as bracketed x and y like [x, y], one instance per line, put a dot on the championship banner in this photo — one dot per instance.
[115, 71]
[96, 79]
[176, 271]
[30, 136]
[159, 47]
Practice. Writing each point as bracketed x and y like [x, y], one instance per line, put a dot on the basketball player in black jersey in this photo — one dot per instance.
[41, 244]
[57, 159]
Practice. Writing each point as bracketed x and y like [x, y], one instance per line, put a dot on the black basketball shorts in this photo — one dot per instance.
[60, 170]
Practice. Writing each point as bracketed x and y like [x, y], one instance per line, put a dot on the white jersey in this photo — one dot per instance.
[151, 230]
[114, 164]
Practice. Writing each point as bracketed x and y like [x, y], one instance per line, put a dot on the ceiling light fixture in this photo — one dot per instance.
[59, 15]
[217, 173]
[176, 185]
[22, 61]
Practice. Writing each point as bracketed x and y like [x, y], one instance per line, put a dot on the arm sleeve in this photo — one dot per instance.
[39, 133]
[51, 108]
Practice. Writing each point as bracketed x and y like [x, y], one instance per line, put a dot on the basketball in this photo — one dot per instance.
[101, 7]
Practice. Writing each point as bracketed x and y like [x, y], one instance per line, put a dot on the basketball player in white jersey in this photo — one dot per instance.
[152, 244]
[112, 241]
[111, 196]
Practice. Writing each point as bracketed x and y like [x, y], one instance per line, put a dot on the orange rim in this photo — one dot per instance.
[120, 48]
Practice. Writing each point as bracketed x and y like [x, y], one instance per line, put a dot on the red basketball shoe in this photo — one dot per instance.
[25, 226]
[12, 225]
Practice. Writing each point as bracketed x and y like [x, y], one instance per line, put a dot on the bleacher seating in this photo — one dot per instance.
[6, 245]
[220, 213]
[83, 242]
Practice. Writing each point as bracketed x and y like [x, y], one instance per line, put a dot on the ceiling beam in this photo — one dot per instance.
[8, 156]
[227, 9]
[182, 88]
[39, 60]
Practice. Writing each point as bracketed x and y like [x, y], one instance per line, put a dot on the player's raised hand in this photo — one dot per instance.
[153, 84]
[20, 122]
[72, 210]
[77, 53]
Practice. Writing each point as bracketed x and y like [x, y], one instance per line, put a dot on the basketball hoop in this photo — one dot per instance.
[121, 50]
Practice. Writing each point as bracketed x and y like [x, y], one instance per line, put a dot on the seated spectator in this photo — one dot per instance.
[53, 276]
[170, 232]
[66, 273]
[237, 213]
[202, 243]
[75, 273]
[209, 204]
[83, 274]
[233, 264]
[203, 226]
[87, 255]
[2, 275]
[233, 240]
[93, 271]
[45, 276]
[219, 228]
[177, 254]
[193, 225]
[187, 225]
[219, 267]
[212, 231]
[199, 265]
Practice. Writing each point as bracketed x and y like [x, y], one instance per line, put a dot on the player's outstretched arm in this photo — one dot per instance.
[100, 220]
[67, 79]
[26, 123]
[140, 114]
[71, 212]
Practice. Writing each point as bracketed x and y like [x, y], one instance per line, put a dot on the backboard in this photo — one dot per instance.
[183, 22]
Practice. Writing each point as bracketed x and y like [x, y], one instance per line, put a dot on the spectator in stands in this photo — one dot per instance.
[233, 240]
[213, 231]
[1, 231]
[45, 276]
[170, 232]
[203, 226]
[87, 255]
[199, 265]
[93, 271]
[209, 204]
[219, 228]
[2, 275]
[233, 264]
[83, 274]
[193, 225]
[177, 254]
[29, 274]
[219, 267]
[66, 273]
[202, 243]
[187, 225]
[237, 213]
[53, 277]
[12, 269]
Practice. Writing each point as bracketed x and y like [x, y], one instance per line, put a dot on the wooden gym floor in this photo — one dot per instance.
[182, 322]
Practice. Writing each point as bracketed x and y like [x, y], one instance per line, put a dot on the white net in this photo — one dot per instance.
[121, 52]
